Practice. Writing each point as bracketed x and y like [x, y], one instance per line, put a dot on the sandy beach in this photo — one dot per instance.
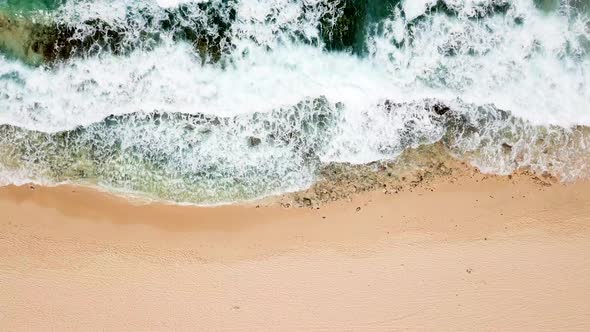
[470, 252]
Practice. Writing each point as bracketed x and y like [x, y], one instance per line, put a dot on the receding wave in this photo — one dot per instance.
[202, 158]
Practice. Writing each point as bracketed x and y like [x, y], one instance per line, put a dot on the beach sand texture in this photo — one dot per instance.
[471, 252]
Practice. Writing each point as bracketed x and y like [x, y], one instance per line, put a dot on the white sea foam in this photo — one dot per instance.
[416, 8]
[537, 69]
[175, 3]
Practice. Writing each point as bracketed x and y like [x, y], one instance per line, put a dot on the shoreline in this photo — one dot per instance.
[286, 165]
[464, 251]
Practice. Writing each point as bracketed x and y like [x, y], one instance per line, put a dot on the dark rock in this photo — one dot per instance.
[254, 141]
[440, 109]
[307, 201]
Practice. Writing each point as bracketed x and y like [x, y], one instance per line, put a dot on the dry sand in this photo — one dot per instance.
[471, 252]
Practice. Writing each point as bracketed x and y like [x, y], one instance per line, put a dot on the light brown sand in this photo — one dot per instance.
[474, 253]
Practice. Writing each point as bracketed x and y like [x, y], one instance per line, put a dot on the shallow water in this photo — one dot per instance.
[292, 85]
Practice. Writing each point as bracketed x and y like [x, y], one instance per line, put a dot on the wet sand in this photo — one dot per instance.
[470, 252]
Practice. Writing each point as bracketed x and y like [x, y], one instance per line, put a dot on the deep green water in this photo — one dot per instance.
[28, 6]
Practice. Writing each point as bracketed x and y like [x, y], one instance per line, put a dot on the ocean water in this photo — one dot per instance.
[216, 101]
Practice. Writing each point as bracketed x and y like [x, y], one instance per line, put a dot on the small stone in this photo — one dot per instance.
[358, 209]
[254, 141]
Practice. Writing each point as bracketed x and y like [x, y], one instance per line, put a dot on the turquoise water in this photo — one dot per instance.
[28, 6]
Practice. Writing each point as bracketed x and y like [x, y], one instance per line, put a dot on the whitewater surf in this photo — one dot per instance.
[215, 101]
